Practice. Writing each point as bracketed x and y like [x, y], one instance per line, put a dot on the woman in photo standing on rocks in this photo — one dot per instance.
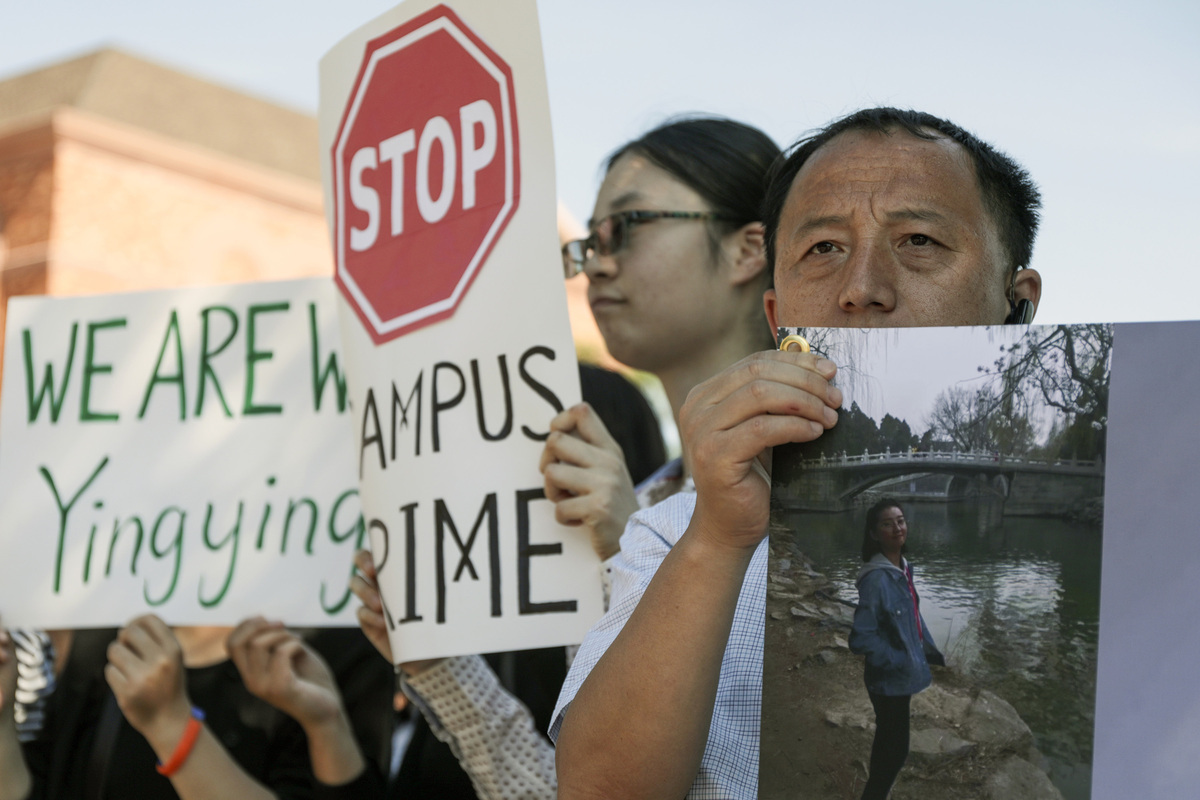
[890, 631]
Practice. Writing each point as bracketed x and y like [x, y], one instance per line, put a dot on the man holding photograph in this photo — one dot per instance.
[885, 218]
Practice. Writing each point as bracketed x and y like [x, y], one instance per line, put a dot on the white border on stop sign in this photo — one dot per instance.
[517, 301]
[439, 24]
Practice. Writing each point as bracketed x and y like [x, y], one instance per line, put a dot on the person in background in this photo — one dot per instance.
[676, 271]
[890, 631]
[497, 703]
[151, 712]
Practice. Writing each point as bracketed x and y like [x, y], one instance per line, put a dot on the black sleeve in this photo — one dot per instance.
[367, 786]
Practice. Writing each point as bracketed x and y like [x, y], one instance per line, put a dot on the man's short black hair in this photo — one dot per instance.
[1009, 194]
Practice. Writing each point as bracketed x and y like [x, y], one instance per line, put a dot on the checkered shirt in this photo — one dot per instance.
[729, 768]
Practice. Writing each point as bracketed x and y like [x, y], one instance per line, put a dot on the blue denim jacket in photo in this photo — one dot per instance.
[886, 632]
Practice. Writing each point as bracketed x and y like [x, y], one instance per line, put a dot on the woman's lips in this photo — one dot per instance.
[600, 303]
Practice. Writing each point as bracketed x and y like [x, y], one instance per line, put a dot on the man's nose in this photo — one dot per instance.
[868, 279]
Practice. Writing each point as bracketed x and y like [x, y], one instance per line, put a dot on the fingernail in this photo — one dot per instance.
[831, 417]
[826, 367]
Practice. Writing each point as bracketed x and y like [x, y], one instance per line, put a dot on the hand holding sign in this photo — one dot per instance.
[146, 673]
[586, 478]
[763, 400]
[364, 584]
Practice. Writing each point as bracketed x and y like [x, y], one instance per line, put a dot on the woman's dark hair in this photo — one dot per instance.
[723, 161]
[869, 545]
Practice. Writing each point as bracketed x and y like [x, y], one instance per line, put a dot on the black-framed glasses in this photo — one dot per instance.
[611, 234]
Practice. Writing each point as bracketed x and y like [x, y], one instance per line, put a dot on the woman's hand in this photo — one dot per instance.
[586, 478]
[146, 673]
[365, 585]
[277, 666]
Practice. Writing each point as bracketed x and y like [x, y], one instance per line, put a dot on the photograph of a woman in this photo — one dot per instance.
[890, 632]
[988, 464]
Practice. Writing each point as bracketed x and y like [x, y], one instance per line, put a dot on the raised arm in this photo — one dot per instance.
[145, 670]
[639, 724]
[490, 732]
[278, 667]
[15, 782]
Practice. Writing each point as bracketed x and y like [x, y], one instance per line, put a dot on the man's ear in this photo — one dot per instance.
[769, 301]
[1027, 285]
[746, 248]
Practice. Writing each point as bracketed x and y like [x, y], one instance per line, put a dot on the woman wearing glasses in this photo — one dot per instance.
[676, 272]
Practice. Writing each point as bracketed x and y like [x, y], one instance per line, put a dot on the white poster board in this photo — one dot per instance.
[185, 452]
[440, 196]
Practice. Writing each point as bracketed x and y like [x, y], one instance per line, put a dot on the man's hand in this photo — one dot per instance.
[586, 478]
[277, 666]
[365, 585]
[145, 671]
[734, 418]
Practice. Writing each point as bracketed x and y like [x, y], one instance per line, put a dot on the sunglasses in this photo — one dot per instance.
[611, 234]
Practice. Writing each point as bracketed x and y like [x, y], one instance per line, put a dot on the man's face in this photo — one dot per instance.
[889, 230]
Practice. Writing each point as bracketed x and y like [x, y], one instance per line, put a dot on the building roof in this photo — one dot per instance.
[127, 89]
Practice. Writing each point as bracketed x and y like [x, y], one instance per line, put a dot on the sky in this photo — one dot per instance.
[902, 371]
[1100, 100]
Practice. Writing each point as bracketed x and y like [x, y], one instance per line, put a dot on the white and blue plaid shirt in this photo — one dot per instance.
[729, 768]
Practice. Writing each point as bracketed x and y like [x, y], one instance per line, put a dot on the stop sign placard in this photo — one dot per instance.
[425, 172]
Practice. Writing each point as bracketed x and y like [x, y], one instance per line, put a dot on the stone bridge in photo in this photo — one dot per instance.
[1023, 486]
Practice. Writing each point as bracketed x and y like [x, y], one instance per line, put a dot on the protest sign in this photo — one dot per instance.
[440, 196]
[986, 468]
[186, 452]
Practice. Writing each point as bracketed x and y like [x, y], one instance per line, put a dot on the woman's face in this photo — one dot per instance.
[664, 294]
[891, 531]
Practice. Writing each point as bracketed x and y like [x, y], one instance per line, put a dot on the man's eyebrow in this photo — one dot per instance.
[918, 215]
[810, 225]
[629, 198]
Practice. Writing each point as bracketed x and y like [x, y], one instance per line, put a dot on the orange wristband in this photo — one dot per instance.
[186, 743]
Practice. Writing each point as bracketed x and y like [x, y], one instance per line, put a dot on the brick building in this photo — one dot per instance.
[118, 174]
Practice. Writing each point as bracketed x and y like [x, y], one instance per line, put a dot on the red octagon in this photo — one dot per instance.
[425, 172]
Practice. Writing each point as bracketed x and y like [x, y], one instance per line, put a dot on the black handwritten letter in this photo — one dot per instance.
[403, 408]
[506, 428]
[410, 564]
[526, 551]
[376, 438]
[542, 391]
[438, 405]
